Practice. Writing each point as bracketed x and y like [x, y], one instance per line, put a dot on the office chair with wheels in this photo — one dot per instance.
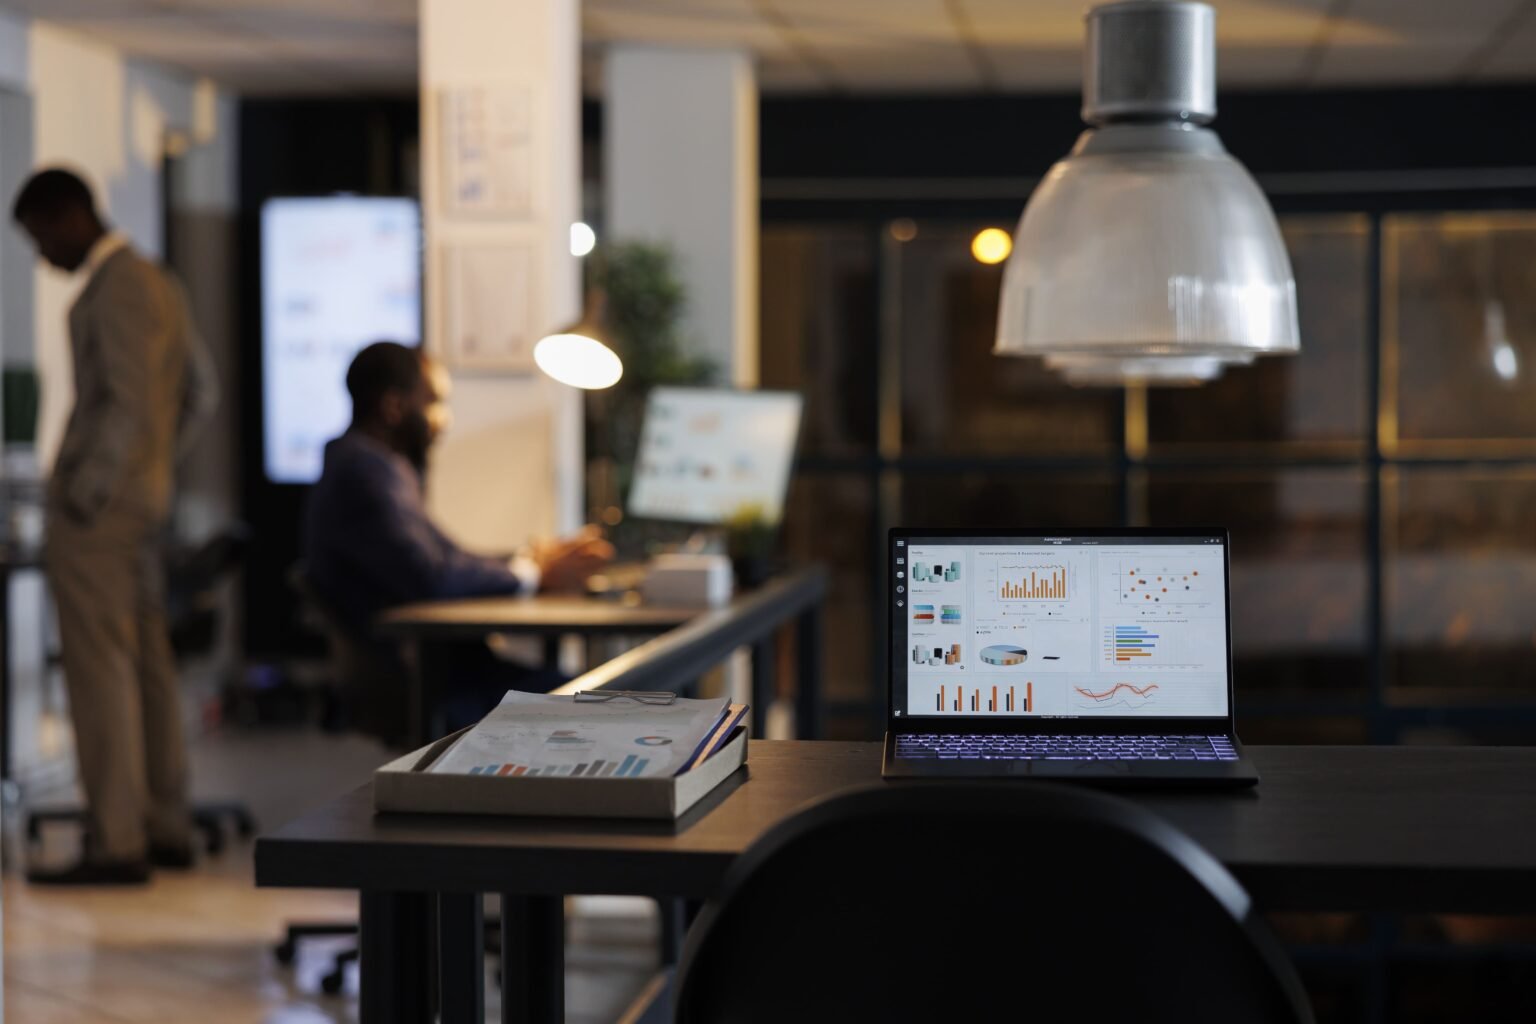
[977, 902]
[194, 577]
[370, 690]
[353, 667]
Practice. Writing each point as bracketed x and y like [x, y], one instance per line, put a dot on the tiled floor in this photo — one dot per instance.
[197, 946]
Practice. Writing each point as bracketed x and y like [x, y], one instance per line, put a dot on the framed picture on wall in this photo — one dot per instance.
[490, 305]
[489, 143]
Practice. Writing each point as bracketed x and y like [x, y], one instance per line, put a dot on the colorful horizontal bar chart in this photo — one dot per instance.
[1127, 643]
[631, 767]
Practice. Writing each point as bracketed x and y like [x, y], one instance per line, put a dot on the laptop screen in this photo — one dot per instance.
[1094, 626]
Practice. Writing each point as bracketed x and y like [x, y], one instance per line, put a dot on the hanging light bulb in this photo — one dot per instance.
[1148, 240]
[579, 355]
[1506, 362]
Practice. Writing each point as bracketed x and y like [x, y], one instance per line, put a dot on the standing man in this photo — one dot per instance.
[140, 377]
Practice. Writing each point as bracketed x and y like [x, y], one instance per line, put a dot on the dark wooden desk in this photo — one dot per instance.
[1413, 829]
[794, 596]
[547, 615]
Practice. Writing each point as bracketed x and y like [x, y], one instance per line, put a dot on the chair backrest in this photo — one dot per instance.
[981, 902]
[371, 681]
[192, 593]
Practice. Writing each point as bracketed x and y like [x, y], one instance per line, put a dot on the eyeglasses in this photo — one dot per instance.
[639, 696]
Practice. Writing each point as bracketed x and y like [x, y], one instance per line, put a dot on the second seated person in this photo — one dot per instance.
[370, 544]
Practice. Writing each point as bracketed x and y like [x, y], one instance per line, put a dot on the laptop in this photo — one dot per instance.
[1096, 655]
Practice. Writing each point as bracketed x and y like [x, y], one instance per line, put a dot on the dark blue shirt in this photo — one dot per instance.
[370, 545]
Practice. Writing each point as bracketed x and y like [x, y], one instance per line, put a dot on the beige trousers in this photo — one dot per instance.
[108, 583]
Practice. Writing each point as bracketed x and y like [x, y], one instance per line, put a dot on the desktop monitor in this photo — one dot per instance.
[337, 273]
[708, 453]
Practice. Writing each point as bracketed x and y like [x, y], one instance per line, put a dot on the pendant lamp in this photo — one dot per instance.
[579, 355]
[1148, 241]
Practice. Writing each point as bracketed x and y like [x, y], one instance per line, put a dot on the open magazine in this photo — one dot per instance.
[547, 735]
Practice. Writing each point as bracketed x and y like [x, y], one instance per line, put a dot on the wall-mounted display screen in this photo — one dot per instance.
[337, 273]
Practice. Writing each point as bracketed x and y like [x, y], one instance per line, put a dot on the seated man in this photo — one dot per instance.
[370, 544]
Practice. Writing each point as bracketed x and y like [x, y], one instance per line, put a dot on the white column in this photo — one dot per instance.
[510, 467]
[680, 167]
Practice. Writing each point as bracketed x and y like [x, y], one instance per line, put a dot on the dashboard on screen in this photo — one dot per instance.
[337, 273]
[1060, 627]
[707, 454]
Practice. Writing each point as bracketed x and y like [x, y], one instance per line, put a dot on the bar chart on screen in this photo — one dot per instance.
[1013, 698]
[1032, 583]
[1163, 646]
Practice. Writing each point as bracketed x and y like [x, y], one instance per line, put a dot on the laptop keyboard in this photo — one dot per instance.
[1014, 747]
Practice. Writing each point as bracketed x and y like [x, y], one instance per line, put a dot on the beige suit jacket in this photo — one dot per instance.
[142, 386]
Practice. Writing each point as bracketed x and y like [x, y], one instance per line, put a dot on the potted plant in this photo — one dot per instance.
[643, 306]
[752, 541]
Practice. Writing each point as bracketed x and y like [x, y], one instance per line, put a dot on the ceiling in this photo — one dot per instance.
[836, 46]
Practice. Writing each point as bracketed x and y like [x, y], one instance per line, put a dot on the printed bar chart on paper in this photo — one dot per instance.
[551, 735]
[1032, 583]
[630, 767]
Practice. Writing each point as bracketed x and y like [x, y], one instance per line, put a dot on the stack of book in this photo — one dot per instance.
[600, 753]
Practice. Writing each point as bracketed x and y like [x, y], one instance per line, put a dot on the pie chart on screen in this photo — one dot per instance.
[1004, 654]
[653, 741]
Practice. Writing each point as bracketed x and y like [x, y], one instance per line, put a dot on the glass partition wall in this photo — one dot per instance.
[1380, 487]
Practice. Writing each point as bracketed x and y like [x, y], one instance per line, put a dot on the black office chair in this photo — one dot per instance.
[370, 692]
[978, 902]
[194, 577]
[353, 669]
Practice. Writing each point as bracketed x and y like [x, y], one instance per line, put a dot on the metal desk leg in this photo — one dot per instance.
[461, 958]
[764, 680]
[532, 959]
[552, 650]
[808, 695]
[395, 950]
[674, 926]
[426, 713]
[5, 676]
[416, 700]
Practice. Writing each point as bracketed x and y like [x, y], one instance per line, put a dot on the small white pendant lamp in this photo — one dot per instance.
[579, 355]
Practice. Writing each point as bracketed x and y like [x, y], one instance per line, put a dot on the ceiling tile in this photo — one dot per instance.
[913, 21]
[69, 10]
[1515, 55]
[811, 45]
[1409, 41]
[736, 25]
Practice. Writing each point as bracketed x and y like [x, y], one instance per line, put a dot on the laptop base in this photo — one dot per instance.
[1160, 774]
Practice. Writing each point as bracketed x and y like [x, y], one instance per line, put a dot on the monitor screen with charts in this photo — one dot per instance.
[1060, 627]
[708, 454]
[337, 273]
